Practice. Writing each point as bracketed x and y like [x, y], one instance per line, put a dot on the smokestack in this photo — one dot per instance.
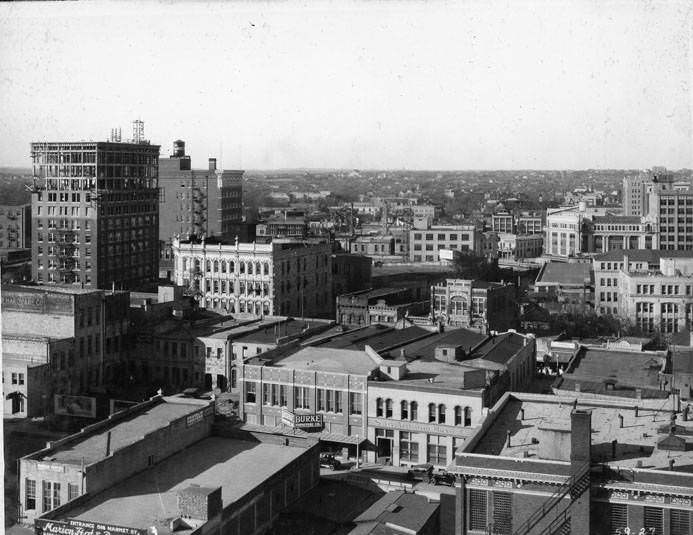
[212, 164]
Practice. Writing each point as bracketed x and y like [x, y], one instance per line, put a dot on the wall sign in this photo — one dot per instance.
[81, 527]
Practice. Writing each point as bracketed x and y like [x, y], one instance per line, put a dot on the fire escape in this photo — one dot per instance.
[199, 212]
[574, 487]
[64, 250]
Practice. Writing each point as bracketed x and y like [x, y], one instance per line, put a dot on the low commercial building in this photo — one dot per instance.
[281, 227]
[288, 278]
[565, 287]
[475, 304]
[431, 393]
[517, 247]
[60, 341]
[182, 476]
[383, 305]
[539, 464]
[399, 512]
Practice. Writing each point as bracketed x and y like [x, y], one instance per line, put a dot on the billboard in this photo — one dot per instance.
[81, 527]
[82, 406]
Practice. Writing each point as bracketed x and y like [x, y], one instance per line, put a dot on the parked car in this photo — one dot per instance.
[443, 478]
[328, 461]
[421, 472]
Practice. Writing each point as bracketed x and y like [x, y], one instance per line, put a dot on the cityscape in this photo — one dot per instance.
[275, 292]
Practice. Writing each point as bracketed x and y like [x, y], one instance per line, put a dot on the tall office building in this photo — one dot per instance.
[196, 203]
[95, 213]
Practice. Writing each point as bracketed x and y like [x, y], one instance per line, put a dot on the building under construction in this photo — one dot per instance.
[95, 212]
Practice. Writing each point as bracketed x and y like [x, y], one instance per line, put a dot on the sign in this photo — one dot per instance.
[75, 406]
[81, 527]
[42, 303]
[307, 421]
[287, 417]
[420, 427]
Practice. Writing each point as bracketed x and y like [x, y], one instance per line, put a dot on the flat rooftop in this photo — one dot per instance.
[377, 337]
[636, 440]
[150, 497]
[565, 273]
[92, 448]
[328, 360]
[273, 330]
[621, 370]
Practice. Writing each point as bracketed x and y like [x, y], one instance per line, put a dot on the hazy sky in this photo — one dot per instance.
[463, 85]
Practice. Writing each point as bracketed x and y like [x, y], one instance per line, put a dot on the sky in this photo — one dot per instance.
[387, 85]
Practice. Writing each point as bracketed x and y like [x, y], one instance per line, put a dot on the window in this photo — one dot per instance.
[437, 451]
[502, 513]
[30, 494]
[337, 401]
[388, 408]
[679, 522]
[283, 398]
[467, 416]
[431, 412]
[413, 410]
[408, 447]
[51, 495]
[301, 397]
[654, 519]
[618, 516]
[355, 403]
[379, 407]
[72, 491]
[321, 399]
[441, 414]
[250, 391]
[458, 415]
[477, 510]
[404, 410]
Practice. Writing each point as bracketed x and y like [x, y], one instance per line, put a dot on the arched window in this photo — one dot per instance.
[431, 412]
[441, 414]
[216, 266]
[257, 268]
[458, 415]
[467, 416]
[388, 408]
[413, 410]
[223, 266]
[379, 407]
[266, 270]
[250, 268]
[185, 264]
[209, 265]
[404, 410]
[232, 266]
[241, 267]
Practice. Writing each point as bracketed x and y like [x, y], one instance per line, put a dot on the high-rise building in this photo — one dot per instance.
[95, 213]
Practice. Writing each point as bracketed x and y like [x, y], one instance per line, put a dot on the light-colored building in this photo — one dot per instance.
[425, 244]
[565, 231]
[429, 400]
[503, 222]
[517, 247]
[288, 278]
[652, 289]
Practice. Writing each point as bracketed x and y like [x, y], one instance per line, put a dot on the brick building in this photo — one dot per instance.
[15, 226]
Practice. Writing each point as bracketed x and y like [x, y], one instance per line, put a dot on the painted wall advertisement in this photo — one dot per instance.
[75, 405]
[81, 527]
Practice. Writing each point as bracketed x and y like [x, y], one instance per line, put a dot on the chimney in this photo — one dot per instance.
[212, 164]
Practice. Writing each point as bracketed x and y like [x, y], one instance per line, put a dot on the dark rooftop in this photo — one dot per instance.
[651, 256]
[377, 337]
[565, 273]
[394, 513]
[618, 219]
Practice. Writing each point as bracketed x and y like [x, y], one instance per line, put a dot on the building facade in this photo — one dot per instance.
[425, 244]
[60, 341]
[281, 278]
[652, 289]
[519, 246]
[15, 226]
[474, 304]
[95, 213]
